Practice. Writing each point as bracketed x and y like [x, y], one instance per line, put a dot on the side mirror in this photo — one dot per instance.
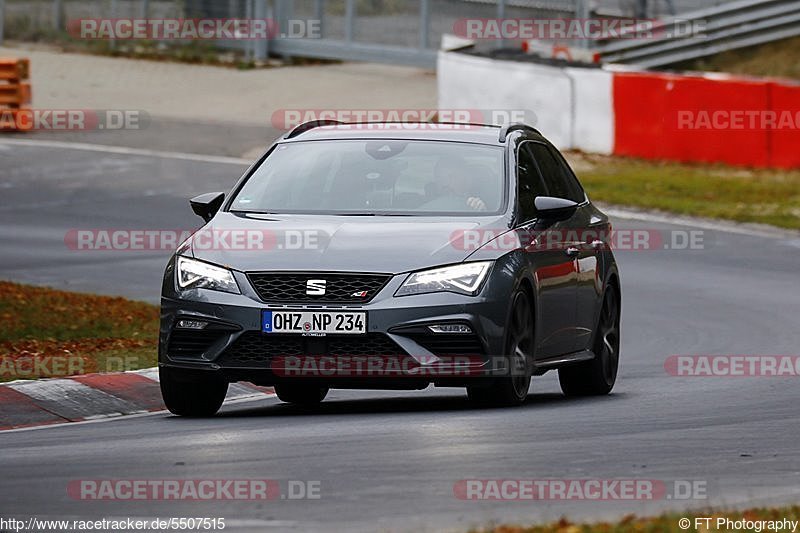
[549, 207]
[207, 205]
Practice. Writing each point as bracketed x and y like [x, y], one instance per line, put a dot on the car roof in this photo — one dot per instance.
[458, 132]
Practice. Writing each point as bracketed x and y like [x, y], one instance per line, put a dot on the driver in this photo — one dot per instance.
[453, 179]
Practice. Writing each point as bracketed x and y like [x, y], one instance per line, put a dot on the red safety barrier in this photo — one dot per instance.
[739, 121]
[785, 139]
[690, 118]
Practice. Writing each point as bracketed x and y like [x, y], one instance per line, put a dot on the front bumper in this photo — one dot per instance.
[233, 346]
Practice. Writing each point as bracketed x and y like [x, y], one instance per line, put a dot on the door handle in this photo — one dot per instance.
[572, 251]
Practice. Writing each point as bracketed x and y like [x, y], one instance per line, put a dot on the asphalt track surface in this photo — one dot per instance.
[389, 460]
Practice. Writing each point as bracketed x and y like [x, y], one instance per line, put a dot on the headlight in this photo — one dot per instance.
[198, 275]
[465, 278]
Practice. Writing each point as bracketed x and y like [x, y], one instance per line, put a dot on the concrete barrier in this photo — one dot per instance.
[571, 105]
[700, 117]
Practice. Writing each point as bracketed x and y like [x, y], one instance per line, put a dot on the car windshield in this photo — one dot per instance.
[377, 177]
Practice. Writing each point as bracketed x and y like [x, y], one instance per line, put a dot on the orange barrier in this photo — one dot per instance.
[14, 93]
[14, 69]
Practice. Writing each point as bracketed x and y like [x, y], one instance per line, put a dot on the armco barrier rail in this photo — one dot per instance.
[387, 31]
[733, 25]
[15, 94]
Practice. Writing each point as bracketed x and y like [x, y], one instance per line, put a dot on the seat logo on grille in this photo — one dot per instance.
[316, 287]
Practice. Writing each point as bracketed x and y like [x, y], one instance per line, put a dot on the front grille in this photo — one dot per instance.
[339, 287]
[451, 345]
[192, 342]
[252, 349]
[372, 344]
[256, 350]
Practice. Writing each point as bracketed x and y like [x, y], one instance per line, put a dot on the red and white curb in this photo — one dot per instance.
[92, 396]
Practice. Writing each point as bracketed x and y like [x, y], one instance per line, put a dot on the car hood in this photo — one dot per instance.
[394, 244]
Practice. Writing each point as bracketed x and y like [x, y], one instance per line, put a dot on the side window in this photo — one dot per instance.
[576, 190]
[530, 182]
[557, 178]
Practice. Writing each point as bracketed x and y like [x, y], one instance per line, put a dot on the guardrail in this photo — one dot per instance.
[737, 24]
[15, 93]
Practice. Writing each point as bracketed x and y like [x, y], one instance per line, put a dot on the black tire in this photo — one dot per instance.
[509, 391]
[597, 377]
[191, 395]
[301, 393]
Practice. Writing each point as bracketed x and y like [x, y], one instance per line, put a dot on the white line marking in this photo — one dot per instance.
[122, 150]
[252, 398]
[679, 220]
[149, 373]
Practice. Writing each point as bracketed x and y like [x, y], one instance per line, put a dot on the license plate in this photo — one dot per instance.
[314, 322]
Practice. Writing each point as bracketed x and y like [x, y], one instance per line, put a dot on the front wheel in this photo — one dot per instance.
[512, 390]
[190, 395]
[597, 377]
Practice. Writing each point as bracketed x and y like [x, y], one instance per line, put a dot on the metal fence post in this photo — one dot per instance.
[501, 14]
[145, 8]
[260, 12]
[319, 14]
[582, 13]
[58, 14]
[424, 23]
[112, 42]
[349, 20]
[248, 46]
[2, 18]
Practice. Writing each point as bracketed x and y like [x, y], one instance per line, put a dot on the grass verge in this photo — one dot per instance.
[776, 59]
[716, 191]
[51, 333]
[666, 523]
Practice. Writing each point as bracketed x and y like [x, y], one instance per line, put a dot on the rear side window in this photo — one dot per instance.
[558, 178]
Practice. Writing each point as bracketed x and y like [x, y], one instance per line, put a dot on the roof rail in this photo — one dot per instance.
[508, 128]
[310, 125]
